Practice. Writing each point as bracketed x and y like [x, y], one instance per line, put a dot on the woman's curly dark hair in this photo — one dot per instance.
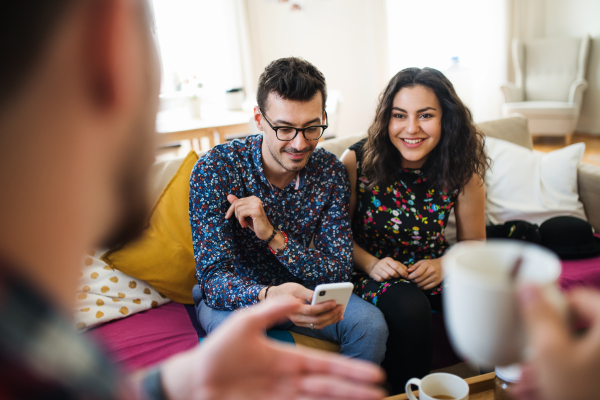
[459, 153]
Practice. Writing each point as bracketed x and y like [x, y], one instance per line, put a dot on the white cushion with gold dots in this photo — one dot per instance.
[104, 294]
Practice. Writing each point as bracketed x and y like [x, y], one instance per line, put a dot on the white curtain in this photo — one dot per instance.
[199, 44]
[526, 22]
[430, 33]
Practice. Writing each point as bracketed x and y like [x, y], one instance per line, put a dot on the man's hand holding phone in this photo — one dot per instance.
[316, 316]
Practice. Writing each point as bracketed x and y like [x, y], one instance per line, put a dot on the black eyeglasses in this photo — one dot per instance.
[287, 133]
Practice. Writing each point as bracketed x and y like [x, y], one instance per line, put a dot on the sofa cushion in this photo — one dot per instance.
[512, 129]
[530, 185]
[337, 146]
[104, 294]
[161, 173]
[163, 256]
[588, 182]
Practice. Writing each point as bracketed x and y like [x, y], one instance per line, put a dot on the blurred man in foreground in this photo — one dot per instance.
[79, 84]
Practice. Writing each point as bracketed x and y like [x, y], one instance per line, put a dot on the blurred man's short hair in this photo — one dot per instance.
[25, 27]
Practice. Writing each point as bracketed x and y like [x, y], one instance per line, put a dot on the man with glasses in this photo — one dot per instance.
[284, 192]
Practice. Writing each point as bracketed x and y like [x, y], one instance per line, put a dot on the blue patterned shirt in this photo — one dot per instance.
[232, 264]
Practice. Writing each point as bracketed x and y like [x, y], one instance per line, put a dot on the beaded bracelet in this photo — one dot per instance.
[280, 251]
[272, 236]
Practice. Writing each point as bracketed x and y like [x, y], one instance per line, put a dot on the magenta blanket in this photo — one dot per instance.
[584, 272]
[576, 273]
[149, 337]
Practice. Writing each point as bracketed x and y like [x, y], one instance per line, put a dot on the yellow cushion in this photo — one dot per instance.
[163, 255]
[315, 343]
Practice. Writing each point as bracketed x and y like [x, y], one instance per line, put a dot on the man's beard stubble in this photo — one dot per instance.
[133, 212]
[133, 182]
[133, 187]
[279, 157]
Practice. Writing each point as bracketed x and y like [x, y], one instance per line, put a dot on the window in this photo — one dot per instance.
[198, 42]
[430, 33]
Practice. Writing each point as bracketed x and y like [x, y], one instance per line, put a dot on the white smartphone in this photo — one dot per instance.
[340, 292]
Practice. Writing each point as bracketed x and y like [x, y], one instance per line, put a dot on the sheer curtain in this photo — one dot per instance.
[199, 45]
[474, 32]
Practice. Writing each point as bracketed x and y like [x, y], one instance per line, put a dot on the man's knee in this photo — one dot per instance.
[375, 322]
[369, 320]
[209, 318]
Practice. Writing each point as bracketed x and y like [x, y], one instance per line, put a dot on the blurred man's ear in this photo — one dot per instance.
[114, 53]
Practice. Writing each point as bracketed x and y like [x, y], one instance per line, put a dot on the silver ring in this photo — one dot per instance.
[312, 326]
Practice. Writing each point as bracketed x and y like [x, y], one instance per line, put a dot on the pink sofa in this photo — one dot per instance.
[149, 337]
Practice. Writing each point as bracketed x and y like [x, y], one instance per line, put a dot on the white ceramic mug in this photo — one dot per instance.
[439, 386]
[480, 296]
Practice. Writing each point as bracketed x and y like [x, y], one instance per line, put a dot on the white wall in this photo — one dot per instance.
[345, 39]
[578, 18]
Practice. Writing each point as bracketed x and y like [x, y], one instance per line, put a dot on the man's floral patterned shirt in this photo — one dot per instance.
[232, 264]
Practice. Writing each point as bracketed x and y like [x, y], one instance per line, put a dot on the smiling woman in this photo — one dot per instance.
[422, 158]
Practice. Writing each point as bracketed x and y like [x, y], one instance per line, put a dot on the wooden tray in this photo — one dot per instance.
[481, 387]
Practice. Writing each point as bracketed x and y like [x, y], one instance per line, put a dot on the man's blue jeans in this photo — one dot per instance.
[361, 334]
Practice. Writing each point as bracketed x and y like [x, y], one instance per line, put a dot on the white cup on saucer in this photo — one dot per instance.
[439, 386]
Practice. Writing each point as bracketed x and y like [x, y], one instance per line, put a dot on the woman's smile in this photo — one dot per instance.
[412, 143]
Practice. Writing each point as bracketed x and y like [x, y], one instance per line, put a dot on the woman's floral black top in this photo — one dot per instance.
[404, 221]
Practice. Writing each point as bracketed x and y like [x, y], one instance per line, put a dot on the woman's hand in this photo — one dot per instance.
[387, 268]
[427, 274]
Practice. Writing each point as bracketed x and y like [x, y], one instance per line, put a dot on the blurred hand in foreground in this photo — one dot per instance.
[563, 366]
[238, 361]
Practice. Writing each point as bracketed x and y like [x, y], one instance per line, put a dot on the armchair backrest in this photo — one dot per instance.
[546, 68]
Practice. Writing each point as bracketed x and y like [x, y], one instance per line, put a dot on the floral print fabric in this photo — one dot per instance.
[404, 221]
[232, 264]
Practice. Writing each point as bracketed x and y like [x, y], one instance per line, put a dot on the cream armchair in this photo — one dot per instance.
[550, 81]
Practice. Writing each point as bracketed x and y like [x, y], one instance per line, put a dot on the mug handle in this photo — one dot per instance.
[409, 393]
